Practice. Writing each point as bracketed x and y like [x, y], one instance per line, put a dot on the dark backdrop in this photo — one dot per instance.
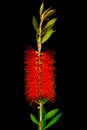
[19, 30]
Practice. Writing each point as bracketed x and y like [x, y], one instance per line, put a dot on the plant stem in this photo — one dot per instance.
[40, 27]
[40, 115]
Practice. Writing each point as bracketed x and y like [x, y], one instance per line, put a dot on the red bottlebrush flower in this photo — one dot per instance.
[39, 75]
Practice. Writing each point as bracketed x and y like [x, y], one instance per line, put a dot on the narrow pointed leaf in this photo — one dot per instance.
[50, 24]
[46, 10]
[41, 8]
[47, 35]
[33, 118]
[49, 13]
[50, 114]
[53, 121]
[35, 23]
[43, 110]
[44, 31]
[43, 113]
[43, 123]
[45, 100]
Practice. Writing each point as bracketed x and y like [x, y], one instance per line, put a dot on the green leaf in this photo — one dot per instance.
[46, 10]
[44, 31]
[33, 118]
[50, 114]
[53, 121]
[45, 100]
[50, 24]
[49, 13]
[43, 113]
[43, 123]
[35, 23]
[43, 110]
[41, 8]
[47, 35]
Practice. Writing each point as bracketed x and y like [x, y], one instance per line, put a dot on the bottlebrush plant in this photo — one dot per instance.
[40, 71]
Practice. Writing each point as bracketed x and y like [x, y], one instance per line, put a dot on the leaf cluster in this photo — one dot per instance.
[46, 116]
[43, 33]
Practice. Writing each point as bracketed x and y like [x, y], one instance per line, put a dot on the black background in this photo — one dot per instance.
[19, 32]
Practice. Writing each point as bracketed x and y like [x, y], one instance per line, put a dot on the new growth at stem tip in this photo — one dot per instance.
[43, 33]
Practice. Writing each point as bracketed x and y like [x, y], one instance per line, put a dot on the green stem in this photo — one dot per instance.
[40, 123]
[40, 27]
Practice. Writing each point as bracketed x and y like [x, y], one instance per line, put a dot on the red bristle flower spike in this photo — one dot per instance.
[40, 71]
[39, 75]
